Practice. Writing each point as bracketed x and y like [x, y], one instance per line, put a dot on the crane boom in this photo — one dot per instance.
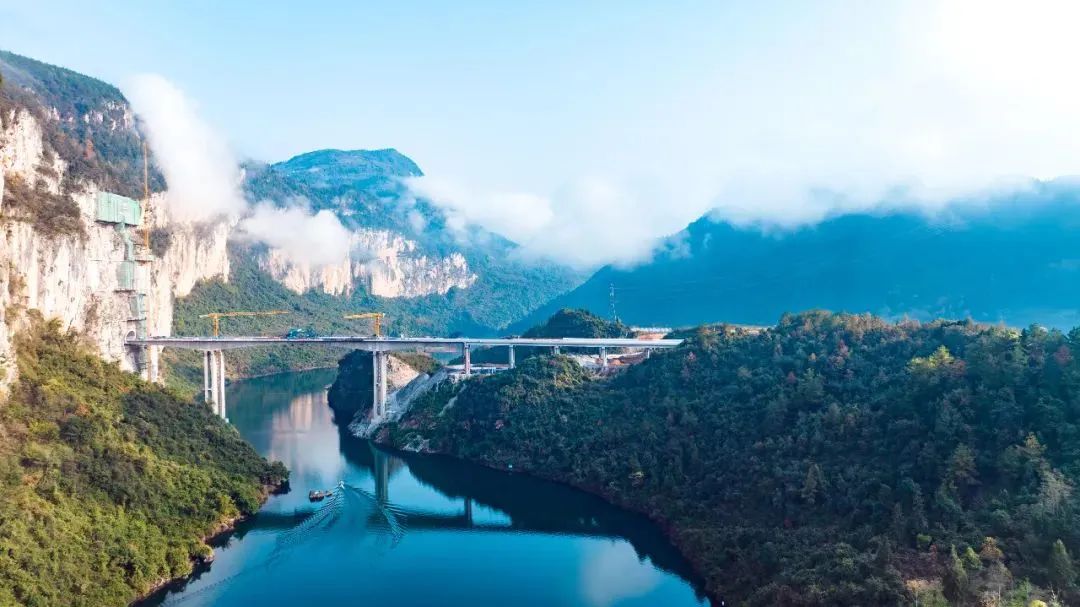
[378, 316]
[217, 316]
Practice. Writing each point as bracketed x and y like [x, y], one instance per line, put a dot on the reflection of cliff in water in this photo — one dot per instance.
[532, 504]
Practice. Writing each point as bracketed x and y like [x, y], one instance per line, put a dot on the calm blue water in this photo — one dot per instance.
[418, 530]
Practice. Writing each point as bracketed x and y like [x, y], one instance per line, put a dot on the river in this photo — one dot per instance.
[417, 530]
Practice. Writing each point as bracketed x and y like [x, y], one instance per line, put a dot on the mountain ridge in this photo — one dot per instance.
[1007, 259]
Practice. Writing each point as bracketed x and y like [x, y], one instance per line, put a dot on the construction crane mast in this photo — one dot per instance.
[146, 196]
[377, 316]
[217, 316]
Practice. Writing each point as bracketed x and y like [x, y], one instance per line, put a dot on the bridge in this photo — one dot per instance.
[213, 349]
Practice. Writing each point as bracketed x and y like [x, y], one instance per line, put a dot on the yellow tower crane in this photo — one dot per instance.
[378, 316]
[217, 316]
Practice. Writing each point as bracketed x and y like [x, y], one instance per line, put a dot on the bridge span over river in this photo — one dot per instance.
[213, 349]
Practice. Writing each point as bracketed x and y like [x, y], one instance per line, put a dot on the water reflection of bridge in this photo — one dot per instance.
[383, 466]
[472, 499]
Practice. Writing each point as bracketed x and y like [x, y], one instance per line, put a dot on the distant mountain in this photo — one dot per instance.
[1014, 259]
[365, 189]
[349, 166]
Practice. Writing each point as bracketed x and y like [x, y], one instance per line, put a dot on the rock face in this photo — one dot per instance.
[384, 263]
[75, 277]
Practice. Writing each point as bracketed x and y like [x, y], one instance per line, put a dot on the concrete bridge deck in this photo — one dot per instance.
[214, 356]
[401, 343]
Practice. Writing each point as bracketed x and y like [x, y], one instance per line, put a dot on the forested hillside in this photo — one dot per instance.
[1009, 258]
[829, 460]
[108, 485]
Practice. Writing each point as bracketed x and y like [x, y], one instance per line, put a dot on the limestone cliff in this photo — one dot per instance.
[75, 275]
[384, 263]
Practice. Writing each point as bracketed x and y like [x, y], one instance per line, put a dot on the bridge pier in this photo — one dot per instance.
[510, 356]
[221, 385]
[555, 350]
[208, 395]
[214, 381]
[603, 358]
[153, 354]
[378, 378]
[466, 352]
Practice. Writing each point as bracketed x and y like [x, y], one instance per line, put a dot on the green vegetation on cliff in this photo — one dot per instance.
[830, 460]
[85, 123]
[109, 484]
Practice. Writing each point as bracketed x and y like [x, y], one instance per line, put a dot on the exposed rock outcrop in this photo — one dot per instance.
[382, 262]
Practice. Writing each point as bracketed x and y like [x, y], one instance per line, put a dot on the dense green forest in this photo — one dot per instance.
[829, 460]
[109, 484]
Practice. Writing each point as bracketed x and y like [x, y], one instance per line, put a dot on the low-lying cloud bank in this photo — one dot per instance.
[890, 106]
[316, 239]
[589, 222]
[204, 180]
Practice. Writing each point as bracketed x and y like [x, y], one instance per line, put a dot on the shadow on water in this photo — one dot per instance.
[386, 498]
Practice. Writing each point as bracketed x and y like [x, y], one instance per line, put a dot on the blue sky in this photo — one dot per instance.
[552, 121]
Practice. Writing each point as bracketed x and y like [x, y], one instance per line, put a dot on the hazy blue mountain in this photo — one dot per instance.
[1014, 259]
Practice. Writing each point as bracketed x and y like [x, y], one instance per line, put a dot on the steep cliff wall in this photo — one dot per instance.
[384, 263]
[74, 275]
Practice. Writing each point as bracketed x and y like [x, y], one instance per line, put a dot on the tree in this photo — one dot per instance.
[1060, 568]
[971, 560]
[813, 484]
[955, 582]
[990, 550]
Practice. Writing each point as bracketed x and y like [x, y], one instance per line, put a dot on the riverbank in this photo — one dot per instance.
[110, 482]
[217, 537]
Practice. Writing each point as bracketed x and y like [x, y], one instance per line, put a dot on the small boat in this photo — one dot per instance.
[318, 496]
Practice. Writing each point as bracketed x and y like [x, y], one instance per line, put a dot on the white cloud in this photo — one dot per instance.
[589, 222]
[612, 572]
[203, 178]
[317, 239]
[201, 171]
[908, 104]
[515, 216]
